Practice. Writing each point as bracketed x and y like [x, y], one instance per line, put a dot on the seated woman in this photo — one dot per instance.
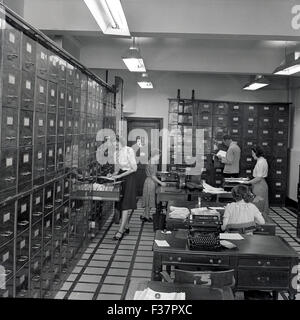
[241, 216]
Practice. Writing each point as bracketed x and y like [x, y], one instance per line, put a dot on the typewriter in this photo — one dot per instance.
[204, 233]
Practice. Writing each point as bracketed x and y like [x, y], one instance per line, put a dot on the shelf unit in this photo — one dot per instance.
[51, 110]
[264, 124]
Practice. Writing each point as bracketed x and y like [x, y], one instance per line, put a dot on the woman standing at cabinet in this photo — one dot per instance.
[259, 185]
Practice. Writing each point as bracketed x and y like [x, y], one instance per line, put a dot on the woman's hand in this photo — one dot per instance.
[163, 184]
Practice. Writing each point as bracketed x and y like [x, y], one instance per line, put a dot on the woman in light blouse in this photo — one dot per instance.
[125, 169]
[259, 185]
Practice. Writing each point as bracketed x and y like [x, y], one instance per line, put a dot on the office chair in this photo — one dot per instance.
[217, 280]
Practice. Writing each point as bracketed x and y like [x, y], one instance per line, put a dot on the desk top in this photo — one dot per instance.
[263, 245]
[193, 292]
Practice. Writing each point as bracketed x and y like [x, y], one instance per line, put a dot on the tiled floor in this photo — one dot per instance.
[106, 267]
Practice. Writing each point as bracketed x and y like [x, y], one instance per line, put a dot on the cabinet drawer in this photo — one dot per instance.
[9, 127]
[236, 109]
[7, 218]
[53, 67]
[250, 111]
[70, 73]
[247, 160]
[204, 119]
[60, 156]
[7, 258]
[265, 134]
[277, 197]
[220, 120]
[281, 111]
[265, 110]
[277, 185]
[22, 282]
[52, 97]
[41, 94]
[51, 127]
[41, 61]
[220, 108]
[266, 145]
[69, 124]
[37, 205]
[236, 120]
[219, 132]
[250, 132]
[40, 127]
[236, 133]
[266, 122]
[83, 103]
[66, 188]
[196, 260]
[279, 173]
[26, 128]
[23, 214]
[77, 78]
[28, 53]
[279, 148]
[250, 121]
[280, 161]
[77, 99]
[280, 134]
[281, 121]
[49, 194]
[248, 145]
[61, 125]
[62, 94]
[22, 250]
[246, 171]
[50, 158]
[263, 262]
[39, 161]
[8, 168]
[11, 48]
[25, 164]
[70, 98]
[62, 71]
[11, 86]
[58, 193]
[47, 224]
[36, 237]
[264, 279]
[27, 90]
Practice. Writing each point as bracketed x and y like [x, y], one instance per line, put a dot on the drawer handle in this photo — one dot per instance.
[37, 214]
[52, 105]
[259, 262]
[36, 246]
[9, 179]
[28, 100]
[58, 227]
[58, 200]
[67, 194]
[49, 206]
[211, 261]
[22, 258]
[29, 64]
[6, 234]
[36, 278]
[179, 259]
[40, 169]
[23, 223]
[219, 261]
[24, 174]
[11, 138]
[12, 97]
[12, 56]
[268, 263]
[42, 103]
[27, 137]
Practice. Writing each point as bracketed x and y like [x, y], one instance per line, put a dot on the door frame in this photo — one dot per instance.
[147, 119]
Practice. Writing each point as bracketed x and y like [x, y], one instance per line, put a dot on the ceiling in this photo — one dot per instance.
[228, 36]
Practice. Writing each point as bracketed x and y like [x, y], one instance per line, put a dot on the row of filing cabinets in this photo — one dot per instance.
[35, 127]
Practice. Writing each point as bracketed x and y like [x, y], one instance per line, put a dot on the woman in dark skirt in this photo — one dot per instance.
[125, 170]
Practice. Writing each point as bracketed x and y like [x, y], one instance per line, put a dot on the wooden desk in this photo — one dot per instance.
[192, 292]
[260, 262]
[269, 228]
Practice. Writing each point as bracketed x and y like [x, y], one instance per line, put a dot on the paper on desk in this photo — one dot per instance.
[227, 244]
[149, 294]
[221, 153]
[216, 208]
[162, 243]
[230, 236]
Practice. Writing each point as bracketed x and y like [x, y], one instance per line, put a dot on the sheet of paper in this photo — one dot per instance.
[230, 236]
[162, 243]
[227, 244]
[216, 208]
[221, 153]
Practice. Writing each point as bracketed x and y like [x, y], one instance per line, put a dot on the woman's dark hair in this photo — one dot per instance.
[241, 192]
[258, 151]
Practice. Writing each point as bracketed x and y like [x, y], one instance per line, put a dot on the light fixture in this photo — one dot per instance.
[133, 59]
[109, 15]
[144, 82]
[258, 83]
[290, 66]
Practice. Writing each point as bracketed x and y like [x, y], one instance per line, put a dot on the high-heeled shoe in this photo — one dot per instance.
[126, 230]
[120, 237]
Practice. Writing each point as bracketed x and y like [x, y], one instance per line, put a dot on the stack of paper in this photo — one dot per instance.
[210, 189]
[230, 236]
[179, 213]
[149, 294]
[221, 153]
[204, 211]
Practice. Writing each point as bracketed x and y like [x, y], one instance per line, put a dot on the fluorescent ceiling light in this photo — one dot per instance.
[133, 59]
[290, 66]
[144, 82]
[258, 83]
[109, 15]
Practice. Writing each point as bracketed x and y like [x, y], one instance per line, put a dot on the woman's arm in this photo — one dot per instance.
[156, 180]
[254, 180]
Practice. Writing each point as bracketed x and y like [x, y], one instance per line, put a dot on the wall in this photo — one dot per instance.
[154, 103]
[295, 141]
[16, 5]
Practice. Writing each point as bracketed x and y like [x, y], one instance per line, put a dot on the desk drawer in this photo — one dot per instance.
[263, 262]
[196, 260]
[264, 279]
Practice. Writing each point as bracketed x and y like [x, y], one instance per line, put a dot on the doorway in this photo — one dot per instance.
[148, 140]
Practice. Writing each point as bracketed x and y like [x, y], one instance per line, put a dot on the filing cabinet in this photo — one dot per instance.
[28, 54]
[60, 157]
[27, 90]
[266, 146]
[58, 193]
[247, 161]
[204, 119]
[220, 108]
[281, 122]
[22, 283]
[40, 127]
[39, 163]
[53, 67]
[235, 109]
[265, 110]
[22, 249]
[250, 111]
[220, 120]
[280, 134]
[37, 205]
[265, 134]
[279, 148]
[52, 97]
[51, 128]
[60, 127]
[41, 95]
[35, 281]
[249, 133]
[62, 71]
[23, 214]
[247, 147]
[69, 124]
[26, 128]
[8, 170]
[9, 127]
[42, 61]
[7, 219]
[25, 167]
[50, 158]
[36, 238]
[11, 86]
[77, 99]
[204, 107]
[11, 47]
[62, 94]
